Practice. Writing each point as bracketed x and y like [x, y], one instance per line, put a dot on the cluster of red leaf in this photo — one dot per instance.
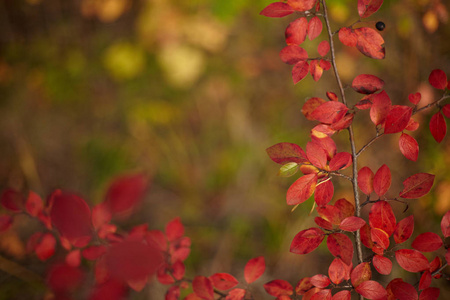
[121, 260]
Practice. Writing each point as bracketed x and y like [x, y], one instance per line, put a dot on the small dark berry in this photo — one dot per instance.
[380, 26]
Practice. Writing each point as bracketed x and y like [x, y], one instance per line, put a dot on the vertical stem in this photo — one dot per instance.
[350, 131]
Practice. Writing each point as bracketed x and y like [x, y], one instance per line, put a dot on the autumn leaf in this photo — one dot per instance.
[438, 127]
[223, 281]
[302, 5]
[293, 54]
[381, 105]
[382, 180]
[277, 10]
[314, 28]
[324, 192]
[371, 290]
[397, 119]
[254, 268]
[408, 146]
[295, 33]
[329, 112]
[336, 271]
[438, 79]
[404, 229]
[282, 153]
[412, 260]
[368, 7]
[370, 43]
[320, 281]
[278, 287]
[307, 240]
[367, 84]
[382, 216]
[417, 185]
[301, 189]
[340, 246]
[203, 287]
[365, 180]
[404, 290]
[427, 242]
[382, 264]
[360, 274]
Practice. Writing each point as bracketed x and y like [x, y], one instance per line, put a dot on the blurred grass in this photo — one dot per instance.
[193, 92]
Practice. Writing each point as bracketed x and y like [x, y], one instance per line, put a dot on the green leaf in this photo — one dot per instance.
[288, 169]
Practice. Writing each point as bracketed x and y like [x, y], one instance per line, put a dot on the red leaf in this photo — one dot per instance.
[381, 105]
[332, 96]
[320, 295]
[295, 33]
[301, 189]
[352, 223]
[315, 69]
[282, 153]
[202, 286]
[303, 286]
[329, 112]
[323, 223]
[431, 293]
[323, 49]
[330, 213]
[12, 200]
[411, 260]
[343, 123]
[174, 229]
[425, 280]
[360, 274]
[408, 146]
[348, 37]
[63, 278]
[340, 246]
[132, 260]
[45, 247]
[310, 106]
[381, 216]
[446, 110]
[404, 229]
[320, 281]
[365, 236]
[382, 264]
[73, 258]
[346, 209]
[5, 222]
[327, 144]
[367, 7]
[412, 125]
[325, 64]
[427, 242]
[438, 127]
[371, 290]
[438, 79]
[115, 290]
[367, 84]
[277, 10]
[223, 281]
[236, 294]
[72, 217]
[299, 71]
[336, 271]
[370, 42]
[397, 119]
[293, 54]
[365, 180]
[341, 161]
[342, 295]
[278, 288]
[34, 204]
[254, 268]
[93, 252]
[302, 5]
[317, 155]
[417, 185]
[403, 290]
[382, 180]
[314, 28]
[445, 224]
[324, 192]
[173, 293]
[380, 238]
[306, 241]
[415, 98]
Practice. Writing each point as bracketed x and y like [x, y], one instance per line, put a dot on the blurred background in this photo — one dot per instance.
[192, 92]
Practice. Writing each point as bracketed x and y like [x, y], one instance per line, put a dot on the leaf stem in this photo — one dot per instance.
[350, 131]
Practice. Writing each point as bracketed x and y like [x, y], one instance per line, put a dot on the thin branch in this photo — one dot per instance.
[369, 143]
[350, 131]
[431, 104]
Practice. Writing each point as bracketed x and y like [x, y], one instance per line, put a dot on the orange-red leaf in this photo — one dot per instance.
[316, 154]
[277, 10]
[340, 246]
[203, 287]
[380, 238]
[306, 241]
[34, 204]
[371, 290]
[254, 268]
[299, 71]
[397, 119]
[411, 260]
[282, 153]
[293, 54]
[367, 84]
[348, 37]
[302, 5]
[310, 105]
[315, 69]
[223, 281]
[382, 264]
[365, 180]
[323, 49]
[404, 229]
[381, 105]
[382, 216]
[427, 242]
[438, 79]
[295, 33]
[314, 28]
[438, 127]
[324, 193]
[352, 223]
[320, 281]
[367, 7]
[360, 274]
[342, 295]
[301, 189]
[370, 42]
[336, 271]
[408, 146]
[417, 185]
[278, 287]
[236, 294]
[329, 112]
[382, 180]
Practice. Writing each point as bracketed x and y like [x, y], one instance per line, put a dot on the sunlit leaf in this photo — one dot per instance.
[329, 112]
[314, 28]
[360, 274]
[381, 105]
[411, 260]
[301, 189]
[340, 246]
[382, 216]
[254, 268]
[320, 281]
[324, 192]
[370, 42]
[336, 271]
[365, 180]
[348, 37]
[352, 223]
[302, 5]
